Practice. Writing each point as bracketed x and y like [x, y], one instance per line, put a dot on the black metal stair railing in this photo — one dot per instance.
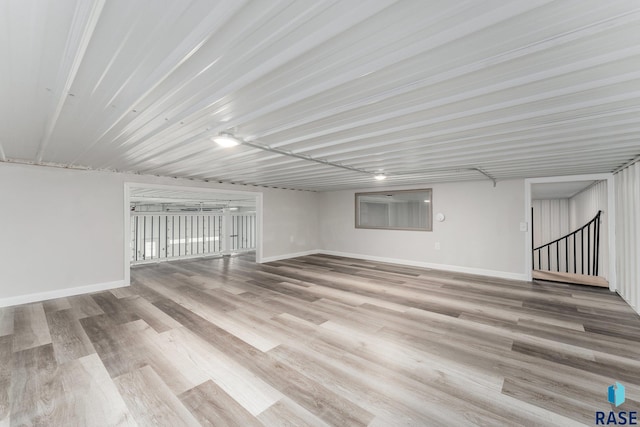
[580, 248]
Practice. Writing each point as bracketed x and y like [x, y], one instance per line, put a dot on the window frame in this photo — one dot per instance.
[429, 226]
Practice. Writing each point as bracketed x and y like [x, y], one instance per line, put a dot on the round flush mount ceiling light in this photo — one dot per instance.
[380, 176]
[226, 140]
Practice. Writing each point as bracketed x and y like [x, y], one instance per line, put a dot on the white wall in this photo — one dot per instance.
[627, 199]
[480, 234]
[62, 231]
[290, 223]
[582, 208]
[550, 220]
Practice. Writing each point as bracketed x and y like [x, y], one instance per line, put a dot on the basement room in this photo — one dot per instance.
[319, 213]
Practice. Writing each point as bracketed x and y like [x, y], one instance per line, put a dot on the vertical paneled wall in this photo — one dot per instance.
[550, 220]
[627, 184]
[582, 208]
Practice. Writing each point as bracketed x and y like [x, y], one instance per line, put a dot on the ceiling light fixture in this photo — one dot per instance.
[226, 140]
[380, 176]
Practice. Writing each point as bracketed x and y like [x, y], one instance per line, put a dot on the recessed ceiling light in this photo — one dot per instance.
[380, 176]
[226, 140]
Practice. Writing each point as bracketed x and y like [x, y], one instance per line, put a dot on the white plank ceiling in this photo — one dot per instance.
[424, 91]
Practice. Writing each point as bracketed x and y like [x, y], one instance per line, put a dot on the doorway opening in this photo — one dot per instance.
[166, 223]
[570, 238]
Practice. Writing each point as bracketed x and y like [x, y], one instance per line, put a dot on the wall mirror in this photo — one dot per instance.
[395, 210]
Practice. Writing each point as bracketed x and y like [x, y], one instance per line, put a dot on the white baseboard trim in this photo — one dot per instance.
[445, 267]
[60, 293]
[287, 256]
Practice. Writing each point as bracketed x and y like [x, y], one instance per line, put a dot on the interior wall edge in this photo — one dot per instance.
[61, 293]
[627, 234]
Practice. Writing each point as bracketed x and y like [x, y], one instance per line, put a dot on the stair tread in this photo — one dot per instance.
[580, 279]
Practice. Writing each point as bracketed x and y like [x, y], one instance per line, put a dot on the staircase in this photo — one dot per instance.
[572, 258]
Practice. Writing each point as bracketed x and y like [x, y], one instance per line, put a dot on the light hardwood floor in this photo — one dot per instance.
[317, 341]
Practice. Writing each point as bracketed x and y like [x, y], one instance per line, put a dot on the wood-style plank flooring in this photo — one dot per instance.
[317, 341]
